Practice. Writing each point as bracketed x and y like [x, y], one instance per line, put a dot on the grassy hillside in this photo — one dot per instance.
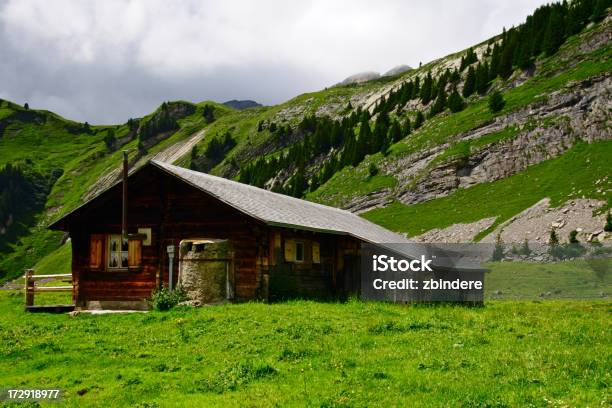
[45, 143]
[316, 354]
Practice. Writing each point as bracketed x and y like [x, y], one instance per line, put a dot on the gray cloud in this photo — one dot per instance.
[107, 61]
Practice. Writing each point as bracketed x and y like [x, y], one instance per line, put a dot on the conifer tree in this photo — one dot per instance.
[572, 21]
[377, 139]
[505, 63]
[573, 237]
[426, 89]
[299, 184]
[372, 170]
[496, 102]
[441, 84]
[194, 156]
[416, 89]
[418, 120]
[455, 102]
[523, 58]
[482, 78]
[406, 128]
[440, 102]
[328, 170]
[208, 112]
[553, 240]
[553, 37]
[599, 11]
[495, 60]
[110, 139]
[363, 142]
[349, 153]
[470, 58]
[470, 83]
[498, 250]
[380, 105]
[608, 225]
[314, 182]
[395, 132]
[454, 77]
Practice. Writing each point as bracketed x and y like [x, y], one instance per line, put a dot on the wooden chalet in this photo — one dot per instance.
[270, 234]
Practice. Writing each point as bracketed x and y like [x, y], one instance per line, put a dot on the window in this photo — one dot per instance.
[117, 252]
[299, 252]
[112, 252]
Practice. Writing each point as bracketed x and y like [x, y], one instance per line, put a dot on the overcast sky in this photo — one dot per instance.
[106, 61]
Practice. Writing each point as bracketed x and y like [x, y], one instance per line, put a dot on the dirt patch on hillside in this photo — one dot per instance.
[457, 233]
[535, 223]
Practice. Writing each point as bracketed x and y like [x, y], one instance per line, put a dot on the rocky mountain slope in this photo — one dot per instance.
[446, 174]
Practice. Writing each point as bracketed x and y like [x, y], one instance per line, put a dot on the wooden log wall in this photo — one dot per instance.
[175, 211]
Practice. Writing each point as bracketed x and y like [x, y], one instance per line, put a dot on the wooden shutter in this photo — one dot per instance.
[96, 249]
[289, 250]
[316, 253]
[134, 252]
[275, 248]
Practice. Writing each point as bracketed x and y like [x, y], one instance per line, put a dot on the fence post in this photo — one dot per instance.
[29, 288]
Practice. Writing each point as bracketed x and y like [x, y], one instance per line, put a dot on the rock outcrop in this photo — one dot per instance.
[535, 223]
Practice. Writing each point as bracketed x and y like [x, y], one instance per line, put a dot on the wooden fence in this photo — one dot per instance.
[31, 288]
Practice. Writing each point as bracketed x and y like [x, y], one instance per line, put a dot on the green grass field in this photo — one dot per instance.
[303, 353]
[576, 279]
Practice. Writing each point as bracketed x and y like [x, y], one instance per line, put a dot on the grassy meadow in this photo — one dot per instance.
[540, 352]
[355, 354]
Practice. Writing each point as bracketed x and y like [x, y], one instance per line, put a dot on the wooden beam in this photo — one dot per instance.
[29, 287]
[53, 289]
[60, 275]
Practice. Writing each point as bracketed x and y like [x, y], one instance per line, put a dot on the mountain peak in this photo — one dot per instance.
[399, 69]
[242, 104]
[360, 77]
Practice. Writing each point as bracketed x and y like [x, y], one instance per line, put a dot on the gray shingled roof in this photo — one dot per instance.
[281, 210]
